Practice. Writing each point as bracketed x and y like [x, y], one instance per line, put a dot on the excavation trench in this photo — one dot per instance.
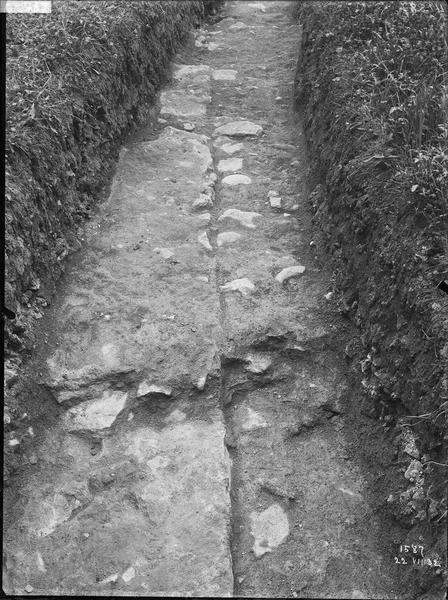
[199, 444]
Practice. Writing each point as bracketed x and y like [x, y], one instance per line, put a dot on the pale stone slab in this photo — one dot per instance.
[244, 286]
[289, 272]
[239, 129]
[275, 201]
[237, 179]
[232, 148]
[269, 528]
[146, 388]
[164, 252]
[180, 103]
[96, 415]
[252, 420]
[204, 241]
[257, 362]
[192, 73]
[224, 75]
[228, 237]
[230, 164]
[244, 218]
[238, 26]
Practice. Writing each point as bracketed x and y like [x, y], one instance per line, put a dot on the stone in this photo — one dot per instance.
[177, 416]
[164, 252]
[244, 286]
[239, 129]
[224, 75]
[244, 218]
[232, 148]
[237, 179]
[257, 362]
[328, 297]
[146, 388]
[238, 26]
[230, 164]
[289, 272]
[111, 579]
[227, 237]
[252, 420]
[275, 201]
[128, 575]
[189, 126]
[205, 200]
[200, 383]
[180, 103]
[269, 528]
[212, 46]
[410, 446]
[29, 589]
[192, 73]
[96, 415]
[204, 241]
[414, 471]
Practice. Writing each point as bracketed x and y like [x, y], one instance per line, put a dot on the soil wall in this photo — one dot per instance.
[380, 200]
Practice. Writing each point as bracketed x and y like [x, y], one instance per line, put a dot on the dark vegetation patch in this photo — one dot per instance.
[372, 89]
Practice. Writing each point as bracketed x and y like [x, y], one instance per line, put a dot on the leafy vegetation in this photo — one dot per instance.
[372, 87]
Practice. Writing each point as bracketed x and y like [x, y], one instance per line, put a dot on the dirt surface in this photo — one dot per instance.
[192, 410]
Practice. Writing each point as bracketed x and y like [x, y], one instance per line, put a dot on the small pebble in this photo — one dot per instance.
[29, 589]
[328, 296]
[188, 126]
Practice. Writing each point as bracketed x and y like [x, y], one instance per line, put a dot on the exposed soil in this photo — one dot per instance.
[197, 429]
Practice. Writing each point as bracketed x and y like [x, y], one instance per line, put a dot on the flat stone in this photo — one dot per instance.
[237, 179]
[177, 416]
[189, 73]
[243, 285]
[257, 362]
[146, 388]
[252, 420]
[239, 129]
[224, 75]
[96, 415]
[189, 126]
[289, 272]
[164, 252]
[275, 201]
[269, 528]
[128, 575]
[200, 383]
[204, 241]
[238, 26]
[180, 103]
[230, 164]
[212, 46]
[232, 148]
[245, 218]
[228, 237]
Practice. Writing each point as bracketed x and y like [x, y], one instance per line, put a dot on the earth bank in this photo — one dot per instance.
[375, 117]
